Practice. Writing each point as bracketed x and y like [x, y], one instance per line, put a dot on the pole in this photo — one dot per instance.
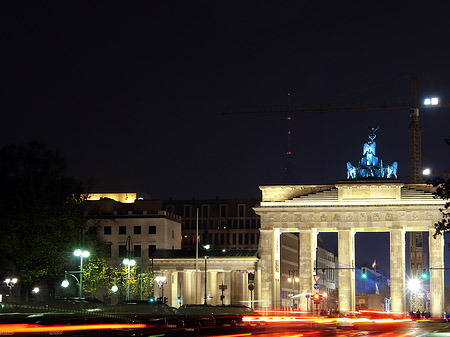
[222, 297]
[80, 288]
[128, 282]
[206, 279]
[196, 261]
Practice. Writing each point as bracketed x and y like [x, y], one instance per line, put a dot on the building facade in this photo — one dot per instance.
[224, 224]
[133, 227]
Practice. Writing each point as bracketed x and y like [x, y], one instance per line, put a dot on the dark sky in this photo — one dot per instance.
[132, 93]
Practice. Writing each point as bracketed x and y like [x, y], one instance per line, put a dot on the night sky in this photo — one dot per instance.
[132, 93]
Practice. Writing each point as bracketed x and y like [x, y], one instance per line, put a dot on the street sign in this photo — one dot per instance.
[316, 286]
[307, 295]
[251, 278]
[222, 286]
[251, 286]
[316, 278]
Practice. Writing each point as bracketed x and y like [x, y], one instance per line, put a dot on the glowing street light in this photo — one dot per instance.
[431, 101]
[81, 254]
[129, 263]
[414, 285]
[160, 281]
[10, 283]
[426, 172]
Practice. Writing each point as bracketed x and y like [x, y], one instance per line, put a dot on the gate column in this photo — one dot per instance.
[269, 251]
[437, 304]
[397, 259]
[308, 243]
[346, 273]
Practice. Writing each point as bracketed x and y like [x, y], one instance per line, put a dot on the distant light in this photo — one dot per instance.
[426, 172]
[224, 250]
[431, 101]
[290, 279]
[65, 283]
[140, 198]
[129, 262]
[35, 290]
[14, 281]
[289, 118]
[297, 279]
[289, 152]
[114, 288]
[79, 252]
[413, 284]
[207, 246]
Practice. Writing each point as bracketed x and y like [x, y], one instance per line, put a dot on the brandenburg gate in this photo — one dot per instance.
[371, 199]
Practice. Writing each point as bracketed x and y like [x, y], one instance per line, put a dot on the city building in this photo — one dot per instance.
[133, 227]
[224, 224]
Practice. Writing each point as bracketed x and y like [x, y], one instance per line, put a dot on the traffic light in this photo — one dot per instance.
[179, 300]
[165, 300]
[151, 300]
[316, 298]
[425, 273]
[363, 272]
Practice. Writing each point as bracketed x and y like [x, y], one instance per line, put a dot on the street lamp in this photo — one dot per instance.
[81, 254]
[129, 263]
[10, 283]
[160, 281]
[293, 277]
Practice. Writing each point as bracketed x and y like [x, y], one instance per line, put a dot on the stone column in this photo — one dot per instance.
[228, 293]
[187, 288]
[173, 297]
[398, 290]
[214, 288]
[437, 301]
[307, 251]
[269, 251]
[346, 272]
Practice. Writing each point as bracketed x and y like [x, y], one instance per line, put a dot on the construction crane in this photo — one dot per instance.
[414, 106]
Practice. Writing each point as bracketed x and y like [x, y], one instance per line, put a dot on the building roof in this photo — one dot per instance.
[212, 253]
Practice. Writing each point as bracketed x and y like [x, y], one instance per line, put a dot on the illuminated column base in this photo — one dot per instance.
[270, 265]
[398, 291]
[346, 273]
[437, 302]
[308, 240]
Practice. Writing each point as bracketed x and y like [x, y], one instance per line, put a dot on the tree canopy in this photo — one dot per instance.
[443, 192]
[40, 213]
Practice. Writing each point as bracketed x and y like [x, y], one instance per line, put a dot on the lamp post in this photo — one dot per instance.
[160, 281]
[293, 277]
[129, 263]
[10, 283]
[81, 254]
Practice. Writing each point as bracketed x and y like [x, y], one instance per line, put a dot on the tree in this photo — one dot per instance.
[40, 213]
[443, 192]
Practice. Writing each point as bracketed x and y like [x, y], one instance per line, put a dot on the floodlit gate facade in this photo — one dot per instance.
[378, 205]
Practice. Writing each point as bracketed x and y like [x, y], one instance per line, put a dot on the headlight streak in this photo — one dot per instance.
[26, 328]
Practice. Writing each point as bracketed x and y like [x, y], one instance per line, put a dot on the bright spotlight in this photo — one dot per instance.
[413, 284]
[431, 101]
